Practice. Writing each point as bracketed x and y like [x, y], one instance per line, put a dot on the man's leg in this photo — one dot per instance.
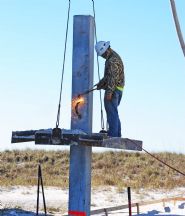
[119, 122]
[112, 114]
[119, 127]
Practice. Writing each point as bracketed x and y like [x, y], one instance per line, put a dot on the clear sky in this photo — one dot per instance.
[32, 37]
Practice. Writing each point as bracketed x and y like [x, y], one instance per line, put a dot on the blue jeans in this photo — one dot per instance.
[111, 108]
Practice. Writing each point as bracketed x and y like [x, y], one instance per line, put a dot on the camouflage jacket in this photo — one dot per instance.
[113, 73]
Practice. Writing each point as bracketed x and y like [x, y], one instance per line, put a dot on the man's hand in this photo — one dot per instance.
[101, 84]
[108, 96]
[98, 86]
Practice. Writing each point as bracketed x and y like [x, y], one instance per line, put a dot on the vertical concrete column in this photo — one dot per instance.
[82, 79]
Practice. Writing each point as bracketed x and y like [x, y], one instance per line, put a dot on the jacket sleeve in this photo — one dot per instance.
[101, 84]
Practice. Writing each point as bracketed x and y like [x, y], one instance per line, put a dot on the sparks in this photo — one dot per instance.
[77, 103]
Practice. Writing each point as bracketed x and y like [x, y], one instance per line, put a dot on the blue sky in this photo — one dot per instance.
[32, 37]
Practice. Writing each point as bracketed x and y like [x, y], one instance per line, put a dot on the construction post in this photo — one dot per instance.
[129, 201]
[82, 79]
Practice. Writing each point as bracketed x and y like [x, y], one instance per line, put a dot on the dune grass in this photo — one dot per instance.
[120, 169]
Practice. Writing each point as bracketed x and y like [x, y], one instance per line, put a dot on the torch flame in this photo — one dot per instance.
[81, 100]
[77, 103]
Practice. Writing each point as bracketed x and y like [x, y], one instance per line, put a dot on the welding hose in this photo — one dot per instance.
[88, 91]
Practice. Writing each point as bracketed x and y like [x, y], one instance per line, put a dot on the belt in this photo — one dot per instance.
[119, 88]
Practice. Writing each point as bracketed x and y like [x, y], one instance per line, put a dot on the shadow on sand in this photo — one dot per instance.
[19, 212]
[182, 206]
[155, 213]
[149, 213]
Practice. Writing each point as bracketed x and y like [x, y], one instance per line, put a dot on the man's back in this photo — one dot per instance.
[114, 71]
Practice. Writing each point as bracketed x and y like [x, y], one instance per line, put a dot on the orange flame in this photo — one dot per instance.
[80, 100]
[77, 102]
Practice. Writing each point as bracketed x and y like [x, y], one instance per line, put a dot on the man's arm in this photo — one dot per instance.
[101, 84]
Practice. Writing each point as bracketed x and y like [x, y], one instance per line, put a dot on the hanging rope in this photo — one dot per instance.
[59, 104]
[102, 117]
[158, 159]
[177, 25]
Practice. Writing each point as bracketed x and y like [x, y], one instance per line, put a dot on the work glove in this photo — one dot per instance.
[101, 85]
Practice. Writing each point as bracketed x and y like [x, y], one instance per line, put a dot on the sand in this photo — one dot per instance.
[19, 200]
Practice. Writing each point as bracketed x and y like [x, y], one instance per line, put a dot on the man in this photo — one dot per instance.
[113, 83]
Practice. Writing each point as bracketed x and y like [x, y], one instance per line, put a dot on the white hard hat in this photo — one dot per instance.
[101, 47]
